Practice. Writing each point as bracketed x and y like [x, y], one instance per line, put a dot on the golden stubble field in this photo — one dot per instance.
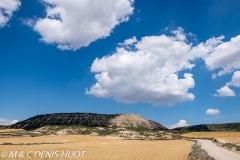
[9, 130]
[225, 137]
[98, 148]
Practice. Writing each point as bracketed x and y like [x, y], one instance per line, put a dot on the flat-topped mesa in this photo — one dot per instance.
[233, 127]
[88, 119]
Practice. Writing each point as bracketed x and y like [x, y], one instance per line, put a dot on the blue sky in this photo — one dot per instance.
[174, 62]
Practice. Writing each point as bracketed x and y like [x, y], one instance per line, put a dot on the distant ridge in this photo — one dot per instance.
[2, 126]
[211, 127]
[88, 119]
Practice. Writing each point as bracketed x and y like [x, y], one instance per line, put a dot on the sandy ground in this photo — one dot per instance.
[217, 152]
[99, 148]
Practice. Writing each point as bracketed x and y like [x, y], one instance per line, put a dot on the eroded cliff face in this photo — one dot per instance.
[134, 120]
[88, 119]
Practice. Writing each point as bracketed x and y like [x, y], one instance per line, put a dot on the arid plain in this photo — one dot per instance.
[97, 147]
[224, 137]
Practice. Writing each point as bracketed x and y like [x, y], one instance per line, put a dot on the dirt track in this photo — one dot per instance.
[217, 152]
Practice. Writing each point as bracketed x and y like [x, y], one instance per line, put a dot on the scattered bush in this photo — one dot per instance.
[106, 131]
[198, 154]
[238, 148]
[34, 135]
[7, 143]
[230, 146]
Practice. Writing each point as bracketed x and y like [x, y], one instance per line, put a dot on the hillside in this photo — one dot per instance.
[210, 127]
[2, 127]
[88, 119]
[135, 121]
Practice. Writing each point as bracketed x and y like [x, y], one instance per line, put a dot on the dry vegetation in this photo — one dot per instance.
[102, 148]
[224, 137]
[9, 130]
[197, 153]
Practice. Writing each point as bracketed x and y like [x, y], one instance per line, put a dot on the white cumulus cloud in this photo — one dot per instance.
[225, 92]
[7, 7]
[225, 56]
[147, 70]
[235, 79]
[181, 123]
[211, 111]
[72, 24]
[129, 41]
[13, 121]
[7, 122]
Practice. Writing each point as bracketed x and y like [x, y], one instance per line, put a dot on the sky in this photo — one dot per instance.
[170, 61]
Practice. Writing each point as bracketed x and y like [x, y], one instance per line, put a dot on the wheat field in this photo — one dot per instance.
[100, 148]
[225, 137]
[10, 130]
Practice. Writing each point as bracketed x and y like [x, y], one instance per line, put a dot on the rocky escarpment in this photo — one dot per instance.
[88, 119]
[211, 127]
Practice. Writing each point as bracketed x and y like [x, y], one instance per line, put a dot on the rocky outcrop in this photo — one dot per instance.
[88, 119]
[135, 121]
[211, 127]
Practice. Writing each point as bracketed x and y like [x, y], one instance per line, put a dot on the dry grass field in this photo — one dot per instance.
[224, 137]
[99, 148]
[9, 130]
